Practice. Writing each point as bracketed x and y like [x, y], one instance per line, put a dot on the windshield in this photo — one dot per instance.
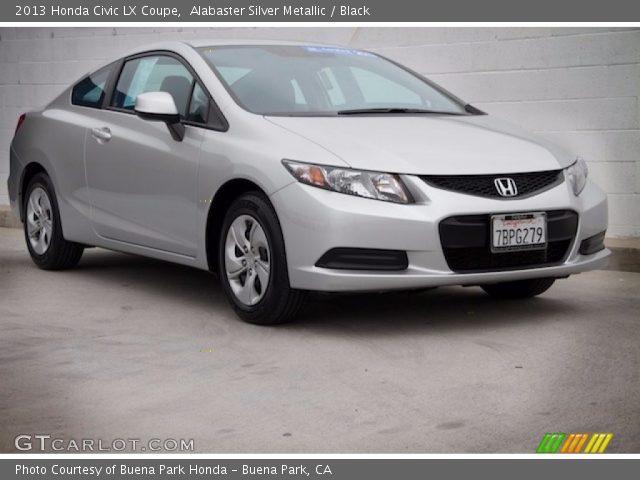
[308, 80]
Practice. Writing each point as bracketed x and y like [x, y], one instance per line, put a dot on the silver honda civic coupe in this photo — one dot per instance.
[289, 168]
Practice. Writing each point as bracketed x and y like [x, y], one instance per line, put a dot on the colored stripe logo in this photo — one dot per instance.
[574, 442]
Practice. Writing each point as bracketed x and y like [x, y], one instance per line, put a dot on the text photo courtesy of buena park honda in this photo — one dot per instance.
[319, 240]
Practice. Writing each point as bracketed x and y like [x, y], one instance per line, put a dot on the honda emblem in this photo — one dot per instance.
[506, 187]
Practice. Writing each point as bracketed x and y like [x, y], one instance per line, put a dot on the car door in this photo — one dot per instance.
[142, 183]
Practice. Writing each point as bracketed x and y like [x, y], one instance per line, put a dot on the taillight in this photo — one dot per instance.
[21, 120]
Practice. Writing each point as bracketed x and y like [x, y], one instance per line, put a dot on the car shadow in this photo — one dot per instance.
[188, 284]
[376, 313]
[444, 308]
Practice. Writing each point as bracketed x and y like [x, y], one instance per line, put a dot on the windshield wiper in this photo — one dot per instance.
[473, 110]
[365, 111]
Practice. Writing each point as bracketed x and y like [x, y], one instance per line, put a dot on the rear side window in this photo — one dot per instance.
[89, 92]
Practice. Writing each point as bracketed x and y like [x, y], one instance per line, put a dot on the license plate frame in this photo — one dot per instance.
[534, 219]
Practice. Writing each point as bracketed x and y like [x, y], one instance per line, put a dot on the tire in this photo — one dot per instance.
[519, 288]
[47, 247]
[251, 234]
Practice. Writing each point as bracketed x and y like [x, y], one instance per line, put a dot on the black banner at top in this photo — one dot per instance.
[319, 11]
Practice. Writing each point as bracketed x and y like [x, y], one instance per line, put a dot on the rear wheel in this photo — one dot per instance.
[43, 230]
[253, 265]
[519, 288]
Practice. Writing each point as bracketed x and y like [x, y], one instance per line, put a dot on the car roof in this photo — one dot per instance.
[232, 42]
[197, 43]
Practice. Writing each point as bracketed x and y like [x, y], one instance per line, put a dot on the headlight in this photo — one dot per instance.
[379, 186]
[576, 175]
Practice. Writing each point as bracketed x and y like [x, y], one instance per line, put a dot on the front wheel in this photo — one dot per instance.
[519, 288]
[253, 265]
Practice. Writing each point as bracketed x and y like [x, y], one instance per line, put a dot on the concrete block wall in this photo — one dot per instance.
[579, 87]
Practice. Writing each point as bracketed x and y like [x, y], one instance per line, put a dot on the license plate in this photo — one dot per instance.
[519, 231]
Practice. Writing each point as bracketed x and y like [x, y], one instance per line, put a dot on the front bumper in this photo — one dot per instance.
[314, 221]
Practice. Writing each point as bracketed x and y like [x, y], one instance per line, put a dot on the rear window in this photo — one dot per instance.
[89, 92]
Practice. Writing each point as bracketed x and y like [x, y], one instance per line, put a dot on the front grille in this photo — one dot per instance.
[466, 244]
[527, 184]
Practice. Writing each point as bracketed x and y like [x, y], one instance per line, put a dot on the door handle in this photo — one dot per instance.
[101, 134]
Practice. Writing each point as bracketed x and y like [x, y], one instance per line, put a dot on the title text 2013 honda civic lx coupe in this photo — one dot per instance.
[290, 168]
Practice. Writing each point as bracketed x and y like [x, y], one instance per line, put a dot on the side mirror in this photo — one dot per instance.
[160, 107]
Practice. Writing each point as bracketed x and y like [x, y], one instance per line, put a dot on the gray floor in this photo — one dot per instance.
[125, 347]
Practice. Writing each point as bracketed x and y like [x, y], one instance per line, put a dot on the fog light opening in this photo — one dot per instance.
[593, 244]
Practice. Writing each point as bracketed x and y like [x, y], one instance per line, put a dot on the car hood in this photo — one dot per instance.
[428, 144]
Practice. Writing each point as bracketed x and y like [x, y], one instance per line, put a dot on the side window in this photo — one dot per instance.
[157, 73]
[199, 106]
[89, 92]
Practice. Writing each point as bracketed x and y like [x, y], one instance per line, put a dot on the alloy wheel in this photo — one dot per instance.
[247, 258]
[39, 220]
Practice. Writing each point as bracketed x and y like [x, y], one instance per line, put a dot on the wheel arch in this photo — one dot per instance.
[220, 203]
[28, 172]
